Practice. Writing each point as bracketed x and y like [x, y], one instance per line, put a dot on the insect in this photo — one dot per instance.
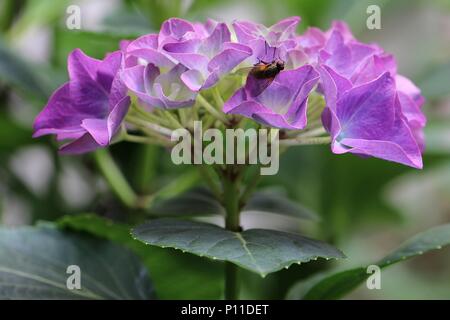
[262, 74]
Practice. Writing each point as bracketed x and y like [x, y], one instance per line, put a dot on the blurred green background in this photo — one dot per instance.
[367, 206]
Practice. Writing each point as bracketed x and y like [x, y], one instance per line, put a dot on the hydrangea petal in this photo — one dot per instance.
[98, 129]
[368, 111]
[283, 104]
[82, 145]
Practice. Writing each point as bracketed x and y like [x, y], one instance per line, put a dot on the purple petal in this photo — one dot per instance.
[146, 47]
[408, 87]
[192, 61]
[86, 93]
[193, 79]
[398, 145]
[246, 31]
[232, 55]
[288, 25]
[116, 117]
[370, 122]
[176, 27]
[367, 111]
[373, 67]
[332, 85]
[343, 29]
[108, 69]
[188, 46]
[283, 104]
[59, 116]
[213, 44]
[134, 79]
[118, 90]
[98, 129]
[169, 88]
[151, 72]
[82, 67]
[82, 145]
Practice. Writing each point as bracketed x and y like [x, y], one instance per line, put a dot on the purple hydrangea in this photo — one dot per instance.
[370, 109]
[89, 109]
[282, 104]
[153, 76]
[280, 101]
[208, 56]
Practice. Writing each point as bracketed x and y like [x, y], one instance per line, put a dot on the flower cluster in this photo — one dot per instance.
[278, 78]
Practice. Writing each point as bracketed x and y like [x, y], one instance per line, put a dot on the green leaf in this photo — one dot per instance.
[195, 202]
[174, 275]
[201, 202]
[339, 284]
[257, 250]
[34, 262]
[277, 203]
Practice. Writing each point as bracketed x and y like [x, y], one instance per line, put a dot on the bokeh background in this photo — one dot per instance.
[367, 206]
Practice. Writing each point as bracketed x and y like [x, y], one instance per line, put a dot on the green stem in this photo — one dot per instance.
[218, 98]
[209, 179]
[213, 111]
[251, 186]
[176, 124]
[305, 141]
[232, 223]
[115, 178]
[138, 139]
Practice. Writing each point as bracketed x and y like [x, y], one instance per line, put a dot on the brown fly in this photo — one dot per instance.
[262, 74]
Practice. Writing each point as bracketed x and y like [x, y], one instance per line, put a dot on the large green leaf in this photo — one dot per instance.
[34, 262]
[337, 285]
[174, 275]
[257, 250]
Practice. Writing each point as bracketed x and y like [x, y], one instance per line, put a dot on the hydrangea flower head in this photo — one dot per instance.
[268, 74]
[89, 109]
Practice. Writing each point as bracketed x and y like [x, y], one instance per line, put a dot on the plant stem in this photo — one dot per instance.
[232, 223]
[213, 111]
[218, 98]
[138, 139]
[250, 187]
[115, 178]
[305, 141]
[209, 179]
